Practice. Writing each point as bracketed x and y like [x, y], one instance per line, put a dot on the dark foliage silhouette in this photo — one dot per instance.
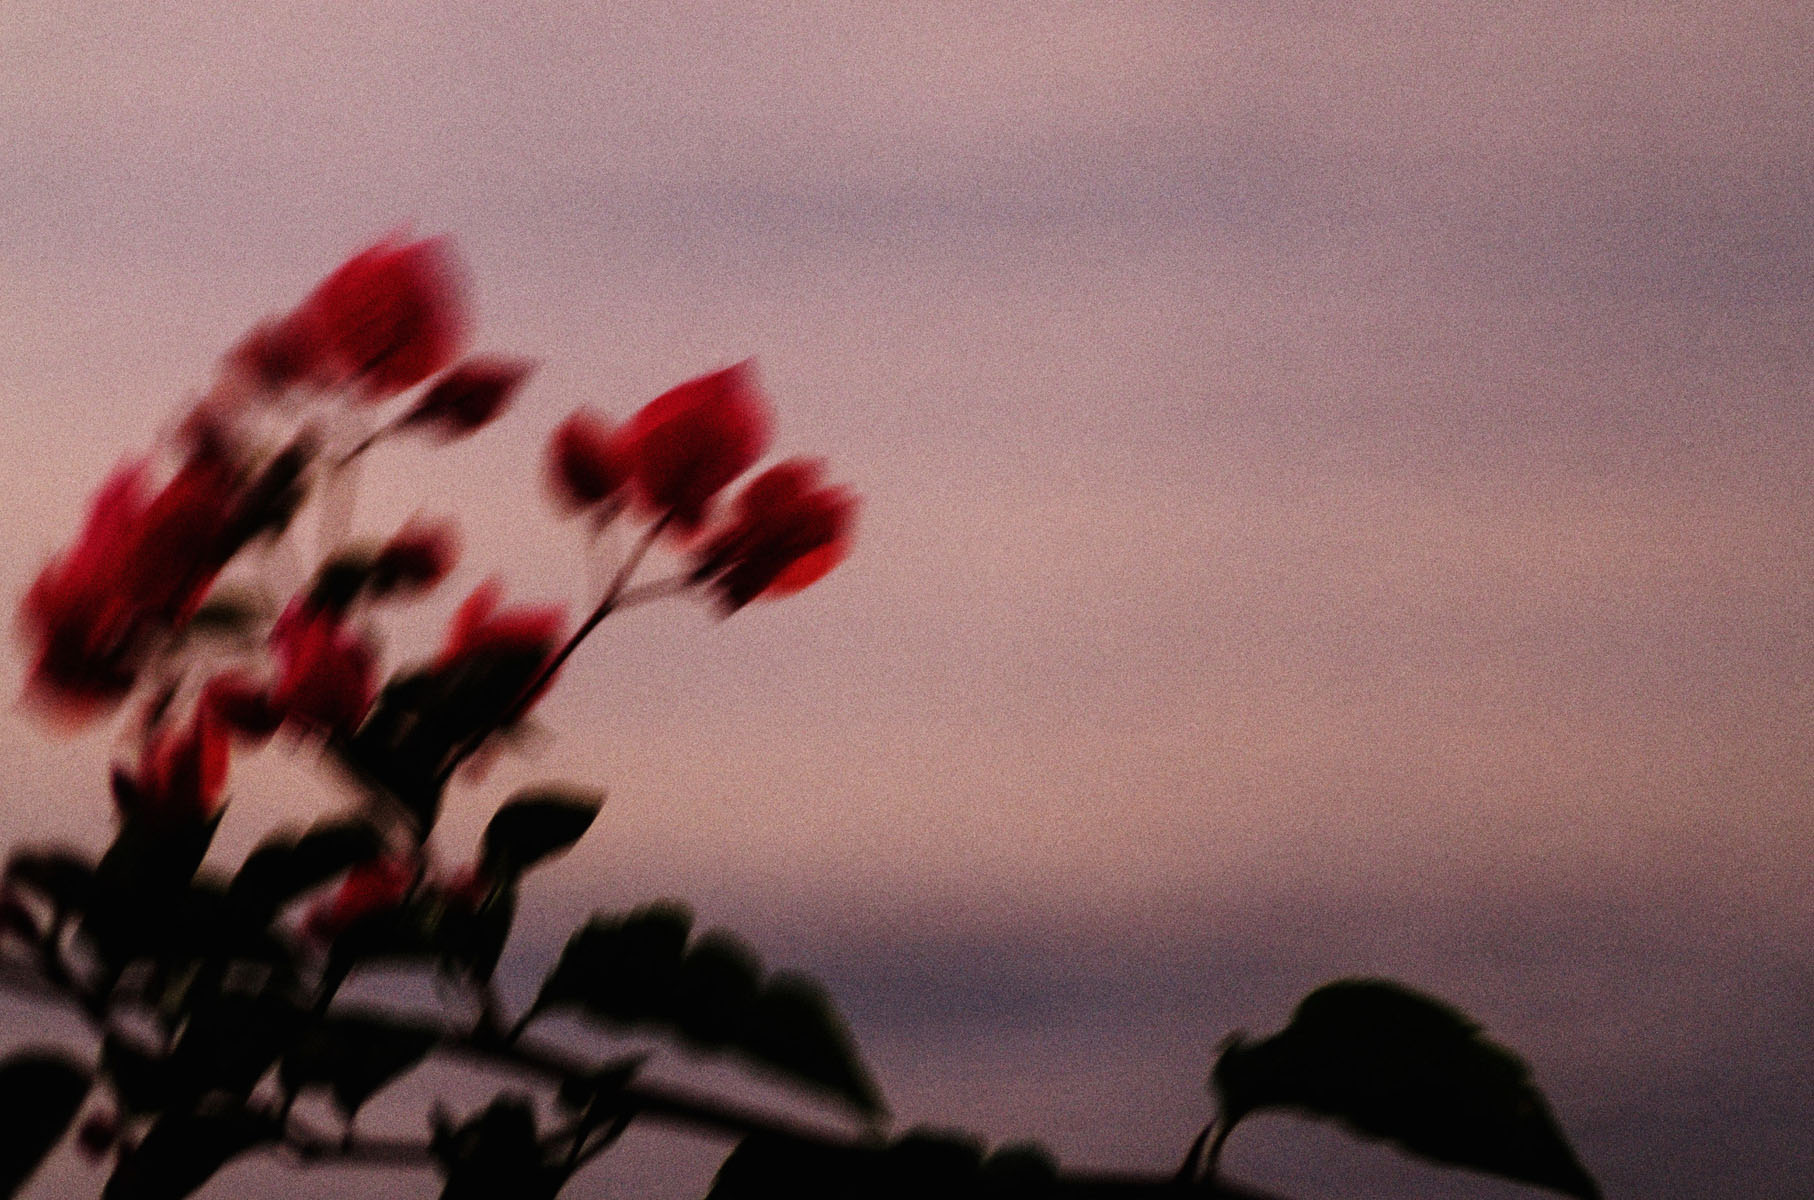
[215, 996]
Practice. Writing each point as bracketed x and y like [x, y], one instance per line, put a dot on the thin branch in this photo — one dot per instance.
[308, 1146]
[638, 1100]
[1193, 1158]
[372, 439]
[656, 589]
[518, 706]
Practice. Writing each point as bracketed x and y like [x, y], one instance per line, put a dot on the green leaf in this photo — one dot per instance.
[354, 1057]
[638, 970]
[536, 824]
[182, 1151]
[1393, 1064]
[40, 1094]
[284, 867]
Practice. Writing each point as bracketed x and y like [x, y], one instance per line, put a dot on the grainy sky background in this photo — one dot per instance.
[1336, 494]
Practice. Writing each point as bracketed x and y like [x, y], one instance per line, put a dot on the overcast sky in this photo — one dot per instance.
[1335, 501]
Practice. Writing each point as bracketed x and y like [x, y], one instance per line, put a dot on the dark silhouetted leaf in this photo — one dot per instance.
[283, 868]
[798, 1032]
[716, 994]
[40, 1094]
[354, 1057]
[472, 940]
[340, 579]
[637, 970]
[424, 718]
[581, 1093]
[62, 877]
[402, 934]
[1393, 1064]
[923, 1163]
[142, 1080]
[400, 747]
[496, 1154]
[537, 824]
[232, 1039]
[142, 903]
[229, 612]
[622, 970]
[1023, 1169]
[182, 1151]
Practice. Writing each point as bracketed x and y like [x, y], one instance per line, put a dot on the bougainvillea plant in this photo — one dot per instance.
[216, 997]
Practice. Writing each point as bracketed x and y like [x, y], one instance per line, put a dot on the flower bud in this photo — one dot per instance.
[588, 461]
[467, 397]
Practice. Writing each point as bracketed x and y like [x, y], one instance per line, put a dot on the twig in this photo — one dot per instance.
[520, 704]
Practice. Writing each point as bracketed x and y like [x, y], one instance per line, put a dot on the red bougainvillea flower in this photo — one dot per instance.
[480, 626]
[589, 461]
[242, 706]
[389, 317]
[787, 531]
[138, 568]
[278, 353]
[418, 557]
[368, 889]
[180, 776]
[692, 441]
[326, 674]
[467, 397]
[466, 889]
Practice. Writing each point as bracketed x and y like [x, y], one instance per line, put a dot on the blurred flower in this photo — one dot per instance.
[389, 317]
[468, 397]
[97, 1134]
[418, 557]
[242, 706]
[786, 532]
[371, 888]
[180, 775]
[692, 441]
[589, 461]
[277, 353]
[510, 646]
[326, 672]
[466, 889]
[138, 569]
[480, 627]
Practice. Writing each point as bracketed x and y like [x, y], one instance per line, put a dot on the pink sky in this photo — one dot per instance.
[1335, 495]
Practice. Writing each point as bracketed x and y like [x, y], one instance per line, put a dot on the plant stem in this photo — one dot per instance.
[656, 589]
[664, 1103]
[613, 596]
